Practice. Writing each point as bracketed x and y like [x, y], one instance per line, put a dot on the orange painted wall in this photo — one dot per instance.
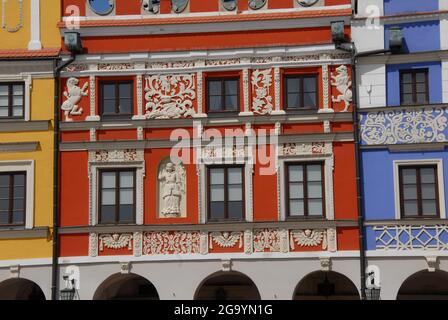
[75, 136]
[265, 194]
[218, 40]
[126, 7]
[74, 189]
[130, 134]
[348, 239]
[203, 6]
[165, 133]
[345, 206]
[342, 127]
[303, 128]
[74, 245]
[280, 4]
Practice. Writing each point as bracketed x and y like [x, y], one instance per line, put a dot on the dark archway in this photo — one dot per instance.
[227, 286]
[425, 285]
[322, 285]
[20, 289]
[126, 287]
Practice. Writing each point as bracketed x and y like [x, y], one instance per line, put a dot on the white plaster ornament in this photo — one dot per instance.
[74, 95]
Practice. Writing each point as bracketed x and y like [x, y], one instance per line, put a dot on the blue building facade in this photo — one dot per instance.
[403, 114]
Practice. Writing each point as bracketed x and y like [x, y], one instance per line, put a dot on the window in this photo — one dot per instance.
[223, 95]
[226, 193]
[419, 194]
[305, 190]
[301, 92]
[11, 100]
[414, 87]
[117, 196]
[12, 198]
[117, 99]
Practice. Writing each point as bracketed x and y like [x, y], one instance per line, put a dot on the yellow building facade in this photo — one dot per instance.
[29, 47]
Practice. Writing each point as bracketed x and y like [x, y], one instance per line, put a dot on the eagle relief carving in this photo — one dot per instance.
[172, 202]
[170, 96]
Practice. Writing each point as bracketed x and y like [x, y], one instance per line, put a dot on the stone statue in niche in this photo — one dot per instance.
[343, 84]
[172, 190]
[74, 95]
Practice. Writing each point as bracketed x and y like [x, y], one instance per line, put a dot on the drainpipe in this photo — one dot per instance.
[57, 68]
[351, 48]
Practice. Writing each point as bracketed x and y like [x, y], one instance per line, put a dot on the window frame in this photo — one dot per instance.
[117, 99]
[226, 186]
[300, 76]
[413, 73]
[11, 199]
[10, 100]
[418, 184]
[305, 215]
[117, 195]
[223, 95]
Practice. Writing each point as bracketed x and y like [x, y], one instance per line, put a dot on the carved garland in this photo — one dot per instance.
[19, 24]
[171, 243]
[261, 83]
[309, 238]
[226, 239]
[115, 241]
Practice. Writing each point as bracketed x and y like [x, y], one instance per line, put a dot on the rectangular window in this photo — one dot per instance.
[117, 99]
[223, 95]
[226, 193]
[305, 190]
[419, 191]
[12, 100]
[117, 196]
[12, 198]
[414, 87]
[301, 92]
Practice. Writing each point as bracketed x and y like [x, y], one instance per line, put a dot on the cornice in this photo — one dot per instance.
[166, 143]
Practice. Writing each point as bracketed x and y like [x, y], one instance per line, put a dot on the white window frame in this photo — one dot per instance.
[440, 181]
[93, 173]
[28, 167]
[328, 181]
[27, 80]
[246, 162]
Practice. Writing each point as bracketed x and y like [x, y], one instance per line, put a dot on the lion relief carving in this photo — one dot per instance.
[74, 95]
[343, 84]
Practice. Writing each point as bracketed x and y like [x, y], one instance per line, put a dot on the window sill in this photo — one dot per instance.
[9, 233]
[20, 125]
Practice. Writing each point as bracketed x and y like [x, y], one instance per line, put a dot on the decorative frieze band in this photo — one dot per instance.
[195, 242]
[424, 125]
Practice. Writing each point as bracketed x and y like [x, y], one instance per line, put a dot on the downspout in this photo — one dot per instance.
[56, 178]
[359, 182]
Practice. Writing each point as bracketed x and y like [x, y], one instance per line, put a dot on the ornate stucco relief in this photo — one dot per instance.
[170, 96]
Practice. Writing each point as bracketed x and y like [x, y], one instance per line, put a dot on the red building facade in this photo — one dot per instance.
[153, 205]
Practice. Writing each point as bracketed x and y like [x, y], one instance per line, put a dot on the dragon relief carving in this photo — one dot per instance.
[343, 84]
[115, 241]
[226, 239]
[309, 238]
[261, 83]
[74, 95]
[170, 96]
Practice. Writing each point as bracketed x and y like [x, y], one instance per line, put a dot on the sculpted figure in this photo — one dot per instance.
[172, 188]
[342, 83]
[74, 95]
